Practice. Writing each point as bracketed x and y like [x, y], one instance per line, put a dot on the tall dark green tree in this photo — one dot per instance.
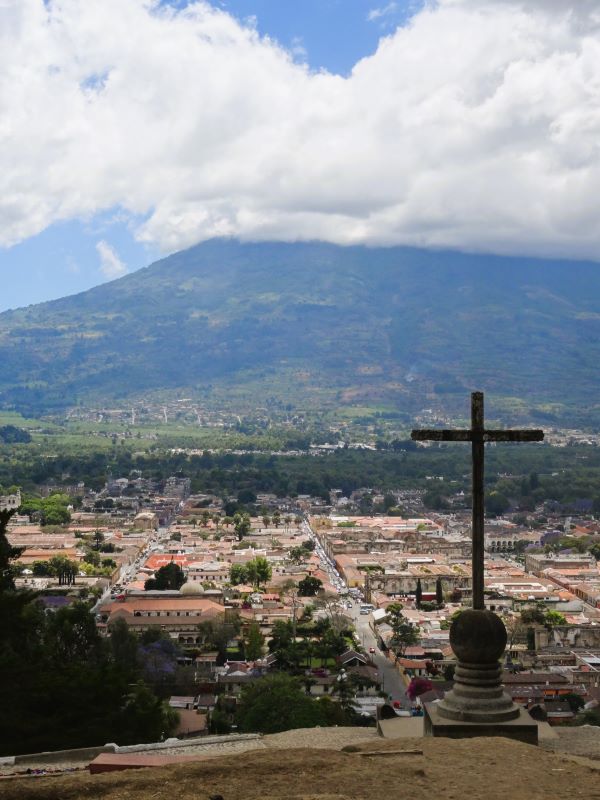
[439, 592]
[241, 525]
[254, 642]
[418, 593]
[7, 554]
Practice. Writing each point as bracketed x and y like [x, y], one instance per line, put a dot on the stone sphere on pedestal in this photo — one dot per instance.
[477, 637]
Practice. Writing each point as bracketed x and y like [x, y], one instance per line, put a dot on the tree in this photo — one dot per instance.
[281, 635]
[219, 722]
[298, 555]
[218, 632]
[93, 558]
[237, 574]
[241, 525]
[553, 618]
[64, 569]
[7, 554]
[575, 701]
[145, 715]
[98, 538]
[65, 685]
[403, 633]
[277, 519]
[435, 500]
[171, 576]
[258, 571]
[10, 434]
[389, 501]
[496, 503]
[266, 520]
[418, 593]
[439, 592]
[534, 615]
[254, 642]
[72, 635]
[345, 690]
[309, 586]
[124, 648]
[329, 601]
[246, 496]
[277, 703]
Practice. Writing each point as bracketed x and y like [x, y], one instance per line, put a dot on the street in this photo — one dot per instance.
[392, 682]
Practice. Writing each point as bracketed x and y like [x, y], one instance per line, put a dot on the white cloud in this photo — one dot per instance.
[476, 126]
[111, 265]
[297, 49]
[382, 11]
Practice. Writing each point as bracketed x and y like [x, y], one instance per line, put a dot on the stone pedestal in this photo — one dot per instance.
[522, 727]
[478, 704]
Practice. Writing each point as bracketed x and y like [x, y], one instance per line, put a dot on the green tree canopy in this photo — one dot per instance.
[277, 703]
[254, 643]
[258, 571]
[241, 525]
[309, 586]
[171, 576]
[237, 574]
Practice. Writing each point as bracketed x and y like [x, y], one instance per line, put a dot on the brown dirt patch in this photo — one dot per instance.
[478, 769]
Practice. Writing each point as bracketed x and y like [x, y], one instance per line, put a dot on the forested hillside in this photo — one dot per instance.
[313, 323]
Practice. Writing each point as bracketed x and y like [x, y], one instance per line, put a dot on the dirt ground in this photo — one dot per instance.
[477, 769]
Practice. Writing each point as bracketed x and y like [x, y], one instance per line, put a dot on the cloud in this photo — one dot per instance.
[111, 265]
[476, 126]
[297, 49]
[383, 11]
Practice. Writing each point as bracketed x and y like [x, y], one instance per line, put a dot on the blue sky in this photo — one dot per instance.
[133, 129]
[326, 34]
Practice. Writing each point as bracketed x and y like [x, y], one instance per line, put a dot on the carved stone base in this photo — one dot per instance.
[478, 695]
[522, 728]
[477, 705]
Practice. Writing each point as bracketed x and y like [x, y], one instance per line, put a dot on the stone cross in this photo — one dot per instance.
[478, 435]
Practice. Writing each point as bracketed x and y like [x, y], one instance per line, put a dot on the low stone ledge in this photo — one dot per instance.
[199, 741]
[63, 756]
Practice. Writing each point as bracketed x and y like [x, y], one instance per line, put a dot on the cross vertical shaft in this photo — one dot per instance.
[477, 450]
[477, 435]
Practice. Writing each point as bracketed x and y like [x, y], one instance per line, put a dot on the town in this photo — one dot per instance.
[356, 607]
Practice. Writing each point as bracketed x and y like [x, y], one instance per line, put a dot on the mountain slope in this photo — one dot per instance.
[391, 323]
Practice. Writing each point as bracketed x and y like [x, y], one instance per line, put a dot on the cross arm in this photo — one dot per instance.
[526, 435]
[434, 435]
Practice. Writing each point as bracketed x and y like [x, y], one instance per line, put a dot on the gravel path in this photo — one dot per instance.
[320, 738]
[580, 741]
[213, 749]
